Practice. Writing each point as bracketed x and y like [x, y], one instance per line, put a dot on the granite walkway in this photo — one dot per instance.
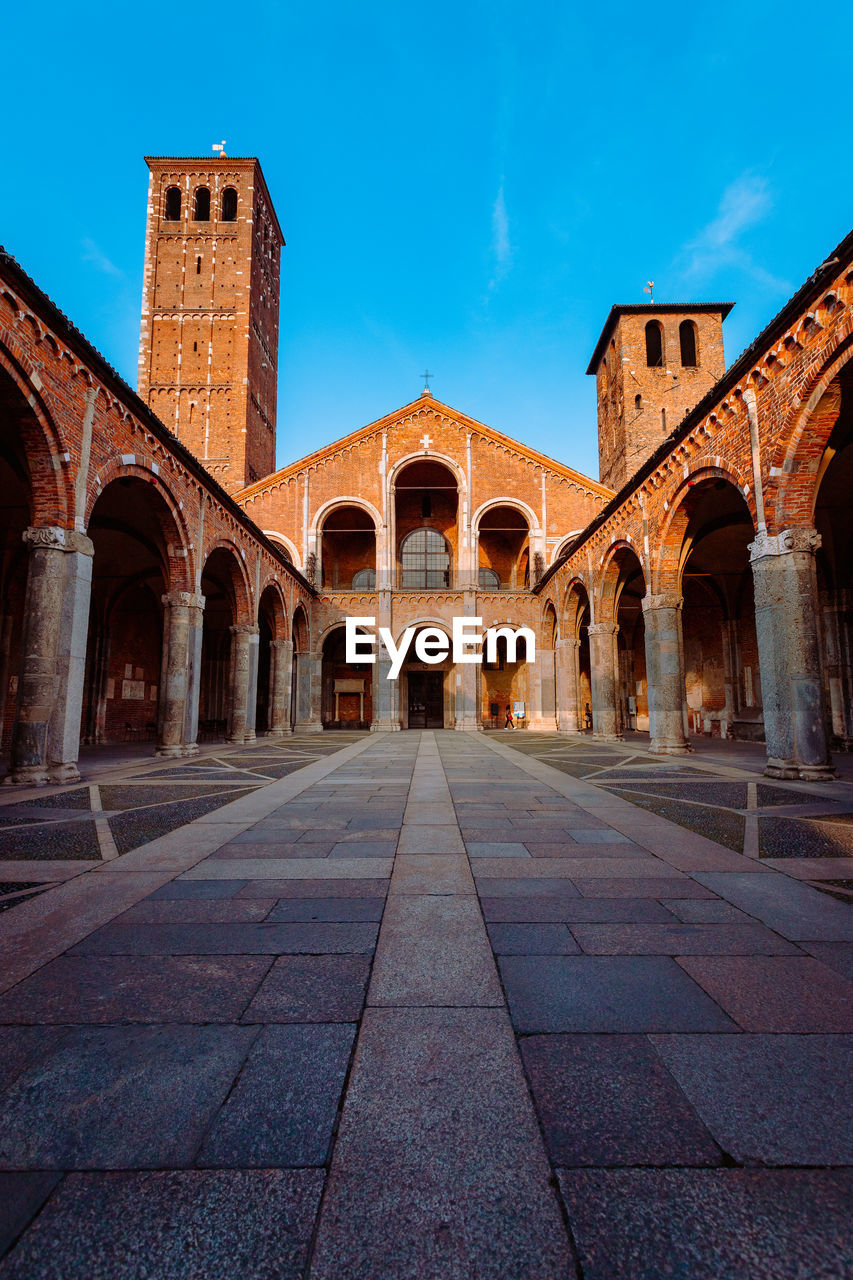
[427, 1007]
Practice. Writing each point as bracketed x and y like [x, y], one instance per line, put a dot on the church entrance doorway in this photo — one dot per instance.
[426, 699]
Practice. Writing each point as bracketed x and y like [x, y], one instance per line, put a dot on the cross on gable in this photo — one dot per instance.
[426, 442]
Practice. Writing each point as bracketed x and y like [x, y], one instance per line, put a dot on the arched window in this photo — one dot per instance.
[173, 204]
[229, 205]
[488, 579]
[364, 580]
[654, 344]
[201, 207]
[638, 402]
[687, 338]
[425, 559]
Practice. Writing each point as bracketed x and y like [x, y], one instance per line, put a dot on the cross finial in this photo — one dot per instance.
[426, 375]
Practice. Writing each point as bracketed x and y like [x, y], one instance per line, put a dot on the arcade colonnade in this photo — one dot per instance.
[713, 594]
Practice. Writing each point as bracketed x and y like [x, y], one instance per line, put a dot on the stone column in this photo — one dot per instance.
[665, 673]
[280, 679]
[179, 674]
[544, 692]
[241, 640]
[252, 686]
[568, 712]
[309, 693]
[386, 715]
[602, 656]
[835, 610]
[46, 732]
[786, 608]
[468, 698]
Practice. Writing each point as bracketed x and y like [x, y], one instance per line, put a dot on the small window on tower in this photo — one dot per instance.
[638, 403]
[173, 204]
[198, 266]
[687, 337]
[201, 208]
[195, 346]
[229, 205]
[654, 344]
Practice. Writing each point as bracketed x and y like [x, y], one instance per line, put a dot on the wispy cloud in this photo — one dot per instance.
[744, 204]
[92, 253]
[501, 243]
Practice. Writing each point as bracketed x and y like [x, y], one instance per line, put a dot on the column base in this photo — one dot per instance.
[607, 737]
[308, 726]
[664, 748]
[543, 725]
[468, 726]
[28, 776]
[60, 774]
[800, 772]
[278, 733]
[178, 751]
[385, 726]
[250, 736]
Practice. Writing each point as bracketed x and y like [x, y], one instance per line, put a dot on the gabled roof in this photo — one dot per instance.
[425, 401]
[652, 309]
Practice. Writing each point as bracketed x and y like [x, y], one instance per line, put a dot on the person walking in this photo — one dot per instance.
[509, 723]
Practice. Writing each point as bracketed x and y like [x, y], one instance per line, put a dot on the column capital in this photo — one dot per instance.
[244, 629]
[667, 600]
[568, 642]
[281, 646]
[183, 599]
[52, 538]
[602, 628]
[788, 542]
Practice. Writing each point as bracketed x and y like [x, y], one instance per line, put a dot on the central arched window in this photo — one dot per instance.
[488, 579]
[173, 204]
[425, 559]
[364, 580]
[201, 206]
[229, 205]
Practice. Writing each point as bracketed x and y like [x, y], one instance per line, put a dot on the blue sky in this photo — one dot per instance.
[465, 185]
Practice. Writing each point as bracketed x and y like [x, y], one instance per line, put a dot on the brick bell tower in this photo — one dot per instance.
[208, 347]
[652, 365]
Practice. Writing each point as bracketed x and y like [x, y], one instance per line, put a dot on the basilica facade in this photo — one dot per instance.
[162, 582]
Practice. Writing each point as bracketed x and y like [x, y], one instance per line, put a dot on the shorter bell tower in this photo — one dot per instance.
[652, 365]
[208, 348]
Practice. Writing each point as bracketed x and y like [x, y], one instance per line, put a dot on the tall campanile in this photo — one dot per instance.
[208, 347]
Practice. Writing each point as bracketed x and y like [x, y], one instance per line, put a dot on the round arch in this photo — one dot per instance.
[181, 558]
[666, 571]
[809, 423]
[515, 503]
[239, 579]
[444, 459]
[344, 500]
[53, 500]
[286, 544]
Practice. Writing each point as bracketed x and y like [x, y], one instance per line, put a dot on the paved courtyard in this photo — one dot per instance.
[427, 1006]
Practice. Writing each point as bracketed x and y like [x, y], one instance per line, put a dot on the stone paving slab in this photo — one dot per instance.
[725, 1224]
[320, 888]
[431, 839]
[836, 955]
[606, 993]
[197, 911]
[775, 993]
[681, 940]
[537, 909]
[769, 1099]
[120, 989]
[532, 940]
[608, 1100]
[120, 1097]
[282, 1110]
[433, 951]
[328, 909]
[21, 1197]
[795, 910]
[296, 869]
[191, 1225]
[647, 887]
[227, 939]
[432, 873]
[471, 1196]
[325, 988]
